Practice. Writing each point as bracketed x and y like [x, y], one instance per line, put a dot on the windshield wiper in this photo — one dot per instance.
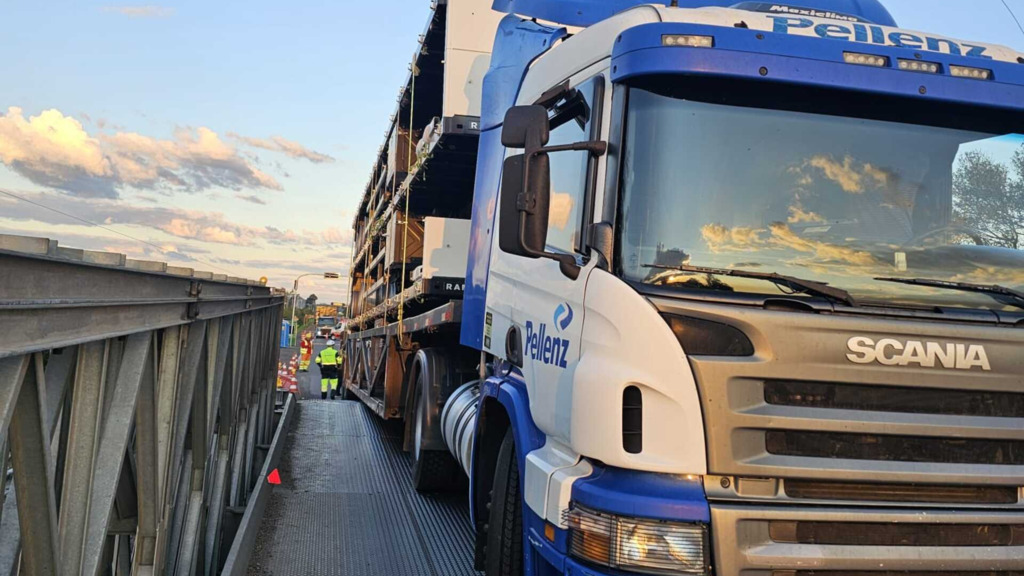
[999, 293]
[799, 285]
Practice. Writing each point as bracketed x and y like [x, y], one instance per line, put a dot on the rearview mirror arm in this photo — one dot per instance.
[596, 148]
[566, 263]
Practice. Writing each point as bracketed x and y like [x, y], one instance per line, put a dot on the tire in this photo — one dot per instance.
[432, 470]
[505, 525]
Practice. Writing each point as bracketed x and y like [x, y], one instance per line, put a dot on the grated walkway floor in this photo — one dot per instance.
[346, 505]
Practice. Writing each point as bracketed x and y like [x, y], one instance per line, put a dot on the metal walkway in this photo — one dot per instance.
[346, 505]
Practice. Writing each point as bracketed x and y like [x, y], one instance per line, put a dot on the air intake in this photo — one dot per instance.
[632, 420]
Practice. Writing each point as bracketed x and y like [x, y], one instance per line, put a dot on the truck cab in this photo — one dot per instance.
[747, 281]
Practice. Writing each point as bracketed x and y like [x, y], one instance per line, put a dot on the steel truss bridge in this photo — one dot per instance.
[137, 411]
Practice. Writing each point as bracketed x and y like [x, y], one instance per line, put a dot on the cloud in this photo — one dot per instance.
[197, 225]
[720, 238]
[782, 236]
[779, 236]
[50, 149]
[146, 11]
[798, 215]
[252, 198]
[192, 161]
[560, 209]
[54, 150]
[280, 144]
[852, 176]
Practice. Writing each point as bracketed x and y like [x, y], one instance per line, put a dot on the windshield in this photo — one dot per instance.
[833, 199]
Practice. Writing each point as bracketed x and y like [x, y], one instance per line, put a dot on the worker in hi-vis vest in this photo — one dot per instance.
[306, 349]
[329, 360]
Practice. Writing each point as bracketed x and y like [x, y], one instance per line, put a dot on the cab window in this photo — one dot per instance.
[573, 118]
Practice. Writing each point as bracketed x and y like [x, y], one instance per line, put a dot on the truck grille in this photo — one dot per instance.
[818, 466]
[873, 534]
[810, 540]
[891, 573]
[766, 426]
[907, 493]
[799, 409]
[894, 448]
[903, 399]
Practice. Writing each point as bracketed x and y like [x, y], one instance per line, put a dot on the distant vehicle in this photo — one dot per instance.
[324, 326]
[698, 289]
[337, 331]
[326, 319]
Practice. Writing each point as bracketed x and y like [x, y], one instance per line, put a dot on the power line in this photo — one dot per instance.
[1014, 16]
[118, 232]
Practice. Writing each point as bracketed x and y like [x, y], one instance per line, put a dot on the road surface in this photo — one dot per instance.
[346, 505]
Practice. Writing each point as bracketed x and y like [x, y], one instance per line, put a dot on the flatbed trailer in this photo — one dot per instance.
[412, 233]
[370, 351]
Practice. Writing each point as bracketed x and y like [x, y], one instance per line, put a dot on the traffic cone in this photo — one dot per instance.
[291, 383]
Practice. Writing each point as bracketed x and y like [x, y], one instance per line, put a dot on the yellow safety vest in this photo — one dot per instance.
[327, 357]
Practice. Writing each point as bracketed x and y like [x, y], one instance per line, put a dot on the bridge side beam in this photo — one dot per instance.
[33, 475]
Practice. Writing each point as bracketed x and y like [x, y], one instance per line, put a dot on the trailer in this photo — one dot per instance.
[701, 286]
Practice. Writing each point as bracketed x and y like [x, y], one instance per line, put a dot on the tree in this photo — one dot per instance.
[311, 301]
[989, 199]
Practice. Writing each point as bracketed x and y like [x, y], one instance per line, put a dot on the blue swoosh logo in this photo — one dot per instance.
[563, 316]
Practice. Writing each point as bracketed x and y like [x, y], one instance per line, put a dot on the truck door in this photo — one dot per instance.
[549, 305]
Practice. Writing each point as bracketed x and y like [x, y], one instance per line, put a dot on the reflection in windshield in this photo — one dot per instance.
[839, 200]
[988, 190]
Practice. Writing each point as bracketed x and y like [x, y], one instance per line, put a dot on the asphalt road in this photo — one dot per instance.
[309, 382]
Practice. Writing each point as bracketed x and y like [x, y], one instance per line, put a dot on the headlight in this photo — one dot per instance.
[637, 544]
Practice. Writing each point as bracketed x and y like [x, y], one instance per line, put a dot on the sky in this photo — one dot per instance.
[234, 137]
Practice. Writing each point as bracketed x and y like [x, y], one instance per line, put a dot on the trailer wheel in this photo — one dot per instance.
[432, 470]
[505, 525]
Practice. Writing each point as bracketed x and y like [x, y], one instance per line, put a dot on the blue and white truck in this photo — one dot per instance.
[704, 287]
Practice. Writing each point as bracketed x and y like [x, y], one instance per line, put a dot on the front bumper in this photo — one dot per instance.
[781, 541]
[794, 540]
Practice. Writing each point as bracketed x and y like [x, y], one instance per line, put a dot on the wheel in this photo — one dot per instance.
[505, 525]
[432, 470]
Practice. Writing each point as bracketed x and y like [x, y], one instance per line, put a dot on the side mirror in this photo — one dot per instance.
[526, 186]
[525, 182]
[525, 127]
[524, 209]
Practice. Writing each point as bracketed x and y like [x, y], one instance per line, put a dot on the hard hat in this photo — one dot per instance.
[330, 342]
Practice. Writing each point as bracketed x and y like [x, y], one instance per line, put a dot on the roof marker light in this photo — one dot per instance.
[865, 59]
[688, 40]
[969, 72]
[920, 66]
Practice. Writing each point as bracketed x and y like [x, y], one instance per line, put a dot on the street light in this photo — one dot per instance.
[295, 294]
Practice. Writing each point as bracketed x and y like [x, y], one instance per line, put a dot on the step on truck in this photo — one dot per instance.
[703, 287]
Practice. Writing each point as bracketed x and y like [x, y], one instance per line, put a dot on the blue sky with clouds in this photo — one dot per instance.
[200, 124]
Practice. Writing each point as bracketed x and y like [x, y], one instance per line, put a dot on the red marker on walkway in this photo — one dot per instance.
[274, 477]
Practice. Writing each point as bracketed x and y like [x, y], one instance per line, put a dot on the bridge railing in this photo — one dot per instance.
[137, 402]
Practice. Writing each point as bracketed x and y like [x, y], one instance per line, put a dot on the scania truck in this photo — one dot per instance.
[703, 287]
